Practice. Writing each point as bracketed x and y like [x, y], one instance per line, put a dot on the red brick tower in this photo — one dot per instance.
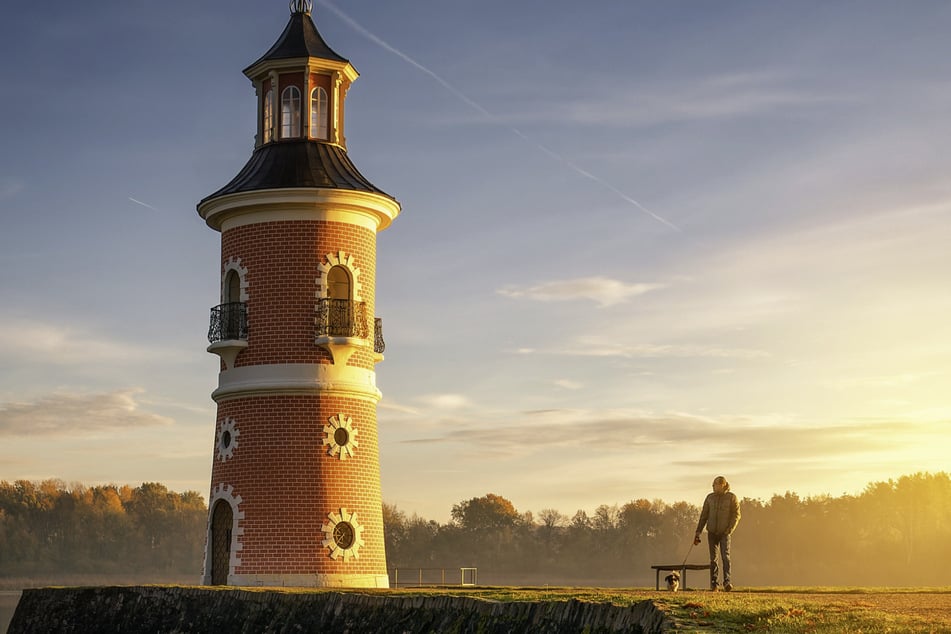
[295, 484]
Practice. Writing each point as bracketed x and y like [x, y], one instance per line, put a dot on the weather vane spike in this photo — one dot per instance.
[301, 6]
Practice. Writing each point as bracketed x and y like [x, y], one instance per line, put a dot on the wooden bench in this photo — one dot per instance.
[681, 568]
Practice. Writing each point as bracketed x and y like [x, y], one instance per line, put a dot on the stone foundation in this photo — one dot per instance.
[154, 609]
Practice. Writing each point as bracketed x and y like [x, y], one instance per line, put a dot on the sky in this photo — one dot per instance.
[641, 243]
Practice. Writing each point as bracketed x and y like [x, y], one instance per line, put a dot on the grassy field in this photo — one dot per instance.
[778, 610]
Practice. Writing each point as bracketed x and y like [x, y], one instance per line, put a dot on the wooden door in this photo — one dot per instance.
[221, 520]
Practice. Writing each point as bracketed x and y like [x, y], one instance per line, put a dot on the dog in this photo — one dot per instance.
[673, 581]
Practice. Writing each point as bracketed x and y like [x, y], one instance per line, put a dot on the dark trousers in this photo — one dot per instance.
[722, 542]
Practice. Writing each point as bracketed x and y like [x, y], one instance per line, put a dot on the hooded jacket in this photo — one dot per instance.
[720, 514]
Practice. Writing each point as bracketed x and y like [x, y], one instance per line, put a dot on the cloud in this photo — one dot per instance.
[445, 401]
[605, 291]
[599, 347]
[707, 98]
[67, 414]
[569, 384]
[686, 439]
[882, 381]
[578, 458]
[64, 344]
[718, 97]
[533, 430]
[396, 407]
[33, 341]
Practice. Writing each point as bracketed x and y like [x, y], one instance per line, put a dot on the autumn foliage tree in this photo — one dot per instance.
[487, 513]
[51, 528]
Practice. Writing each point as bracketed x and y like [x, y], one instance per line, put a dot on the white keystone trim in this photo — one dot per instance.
[234, 264]
[225, 492]
[340, 258]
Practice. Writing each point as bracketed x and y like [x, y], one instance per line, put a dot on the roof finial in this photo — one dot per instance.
[301, 6]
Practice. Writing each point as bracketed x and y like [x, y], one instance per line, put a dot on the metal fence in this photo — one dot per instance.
[419, 577]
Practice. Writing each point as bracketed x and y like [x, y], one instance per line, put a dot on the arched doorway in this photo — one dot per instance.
[221, 519]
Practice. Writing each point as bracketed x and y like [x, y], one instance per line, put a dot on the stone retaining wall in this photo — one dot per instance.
[155, 609]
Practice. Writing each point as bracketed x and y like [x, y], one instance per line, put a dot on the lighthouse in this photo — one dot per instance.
[295, 482]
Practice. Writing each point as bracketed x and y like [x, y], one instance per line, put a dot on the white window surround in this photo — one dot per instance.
[234, 264]
[336, 550]
[346, 261]
[319, 117]
[290, 112]
[229, 349]
[335, 424]
[225, 492]
[227, 439]
[340, 348]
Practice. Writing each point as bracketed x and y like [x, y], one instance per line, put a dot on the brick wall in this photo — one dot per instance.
[288, 483]
[282, 259]
[280, 469]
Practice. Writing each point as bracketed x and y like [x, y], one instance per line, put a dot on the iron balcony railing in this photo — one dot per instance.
[228, 322]
[342, 318]
[378, 344]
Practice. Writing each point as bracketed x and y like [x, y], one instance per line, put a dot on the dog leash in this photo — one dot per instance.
[689, 550]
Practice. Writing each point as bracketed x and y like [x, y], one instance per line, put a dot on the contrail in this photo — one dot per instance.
[476, 106]
[139, 202]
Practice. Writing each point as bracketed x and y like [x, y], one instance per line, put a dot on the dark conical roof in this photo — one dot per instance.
[302, 162]
[300, 39]
[291, 164]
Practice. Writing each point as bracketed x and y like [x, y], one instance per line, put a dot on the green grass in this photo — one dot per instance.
[825, 610]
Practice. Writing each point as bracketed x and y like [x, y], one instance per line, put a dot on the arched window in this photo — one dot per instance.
[318, 113]
[338, 283]
[232, 287]
[268, 116]
[290, 112]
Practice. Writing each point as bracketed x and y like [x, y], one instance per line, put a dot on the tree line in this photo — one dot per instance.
[49, 528]
[895, 533]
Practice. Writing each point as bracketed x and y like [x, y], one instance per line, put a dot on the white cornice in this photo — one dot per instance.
[366, 209]
[296, 378]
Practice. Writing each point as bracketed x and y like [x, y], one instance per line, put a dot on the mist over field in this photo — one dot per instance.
[889, 535]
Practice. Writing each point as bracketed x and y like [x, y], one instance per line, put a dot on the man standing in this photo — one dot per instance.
[720, 514]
